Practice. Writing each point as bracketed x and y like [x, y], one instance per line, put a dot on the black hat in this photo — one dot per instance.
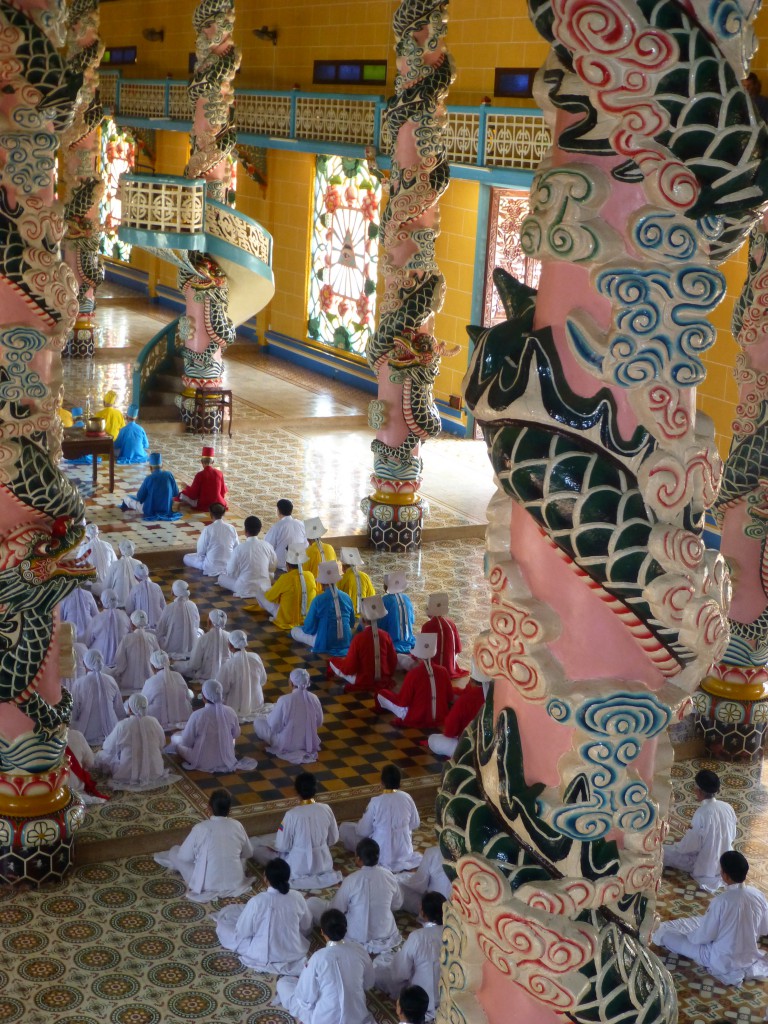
[707, 781]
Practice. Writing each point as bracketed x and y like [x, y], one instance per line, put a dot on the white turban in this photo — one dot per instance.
[217, 617]
[159, 659]
[109, 598]
[300, 678]
[126, 547]
[139, 618]
[137, 704]
[238, 639]
[91, 531]
[180, 588]
[212, 691]
[94, 660]
[140, 571]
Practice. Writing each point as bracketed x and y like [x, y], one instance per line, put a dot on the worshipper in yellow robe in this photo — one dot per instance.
[114, 420]
[289, 597]
[317, 550]
[66, 417]
[355, 584]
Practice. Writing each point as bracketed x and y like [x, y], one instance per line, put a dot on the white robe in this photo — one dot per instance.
[207, 742]
[712, 832]
[270, 933]
[286, 533]
[303, 840]
[101, 555]
[132, 664]
[80, 747]
[429, 876]
[79, 651]
[107, 630]
[211, 860]
[97, 706]
[210, 652]
[250, 568]
[290, 729]
[331, 988]
[148, 597]
[724, 940]
[215, 545]
[417, 962]
[121, 577]
[242, 678]
[168, 698]
[369, 897]
[179, 627]
[389, 818]
[79, 607]
[133, 755]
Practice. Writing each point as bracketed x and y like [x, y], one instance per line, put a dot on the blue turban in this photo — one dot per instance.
[77, 411]
[155, 459]
[132, 412]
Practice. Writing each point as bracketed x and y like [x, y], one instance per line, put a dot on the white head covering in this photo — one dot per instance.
[328, 572]
[137, 704]
[217, 618]
[296, 555]
[139, 618]
[140, 571]
[93, 660]
[238, 639]
[426, 646]
[437, 604]
[159, 659]
[126, 547]
[91, 531]
[314, 528]
[109, 598]
[374, 607]
[180, 588]
[300, 678]
[213, 692]
[395, 582]
[351, 556]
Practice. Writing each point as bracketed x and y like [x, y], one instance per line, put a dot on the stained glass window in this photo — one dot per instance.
[118, 156]
[508, 209]
[344, 248]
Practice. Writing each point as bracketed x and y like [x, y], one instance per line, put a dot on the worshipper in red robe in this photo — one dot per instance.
[426, 691]
[465, 708]
[208, 487]
[372, 658]
[448, 639]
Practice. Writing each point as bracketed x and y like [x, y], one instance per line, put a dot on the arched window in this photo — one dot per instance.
[118, 156]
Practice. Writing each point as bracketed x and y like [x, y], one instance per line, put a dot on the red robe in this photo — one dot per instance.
[208, 488]
[418, 695]
[448, 644]
[466, 706]
[360, 660]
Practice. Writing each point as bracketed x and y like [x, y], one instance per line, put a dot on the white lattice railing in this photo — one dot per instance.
[520, 142]
[179, 103]
[463, 136]
[263, 114]
[336, 120]
[142, 99]
[162, 205]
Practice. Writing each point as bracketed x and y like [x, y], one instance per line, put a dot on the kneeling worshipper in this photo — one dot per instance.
[169, 699]
[400, 617]
[304, 839]
[448, 639]
[426, 691]
[464, 711]
[412, 1005]
[712, 832]
[155, 496]
[121, 575]
[251, 564]
[331, 988]
[724, 939]
[429, 876]
[355, 584]
[417, 962]
[74, 667]
[146, 596]
[207, 741]
[330, 620]
[371, 659]
[212, 859]
[99, 553]
[81, 759]
[108, 628]
[79, 607]
[179, 624]
[133, 752]
[289, 597]
[211, 650]
[114, 420]
[317, 551]
[208, 487]
[290, 730]
[242, 677]
[132, 443]
[215, 544]
[390, 819]
[369, 897]
[133, 665]
[270, 934]
[97, 706]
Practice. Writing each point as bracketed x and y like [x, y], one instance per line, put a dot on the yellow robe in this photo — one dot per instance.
[114, 420]
[66, 417]
[314, 561]
[348, 584]
[286, 592]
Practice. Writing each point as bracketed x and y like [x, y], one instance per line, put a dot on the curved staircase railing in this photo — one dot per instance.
[158, 350]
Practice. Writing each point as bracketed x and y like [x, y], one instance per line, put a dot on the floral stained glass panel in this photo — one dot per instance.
[508, 210]
[344, 254]
[118, 156]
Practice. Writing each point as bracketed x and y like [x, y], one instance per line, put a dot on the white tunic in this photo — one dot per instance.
[79, 607]
[168, 698]
[242, 678]
[132, 755]
[712, 832]
[390, 818]
[132, 664]
[250, 566]
[331, 988]
[207, 742]
[97, 706]
[106, 631]
[286, 533]
[269, 933]
[429, 876]
[148, 597]
[178, 627]
[417, 962]
[304, 839]
[215, 545]
[101, 555]
[290, 729]
[211, 860]
[369, 897]
[210, 652]
[121, 577]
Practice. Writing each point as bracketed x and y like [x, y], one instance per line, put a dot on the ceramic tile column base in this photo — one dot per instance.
[733, 726]
[206, 421]
[394, 527]
[80, 343]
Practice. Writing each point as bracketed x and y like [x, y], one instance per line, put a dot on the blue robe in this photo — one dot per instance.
[321, 622]
[156, 495]
[398, 621]
[84, 460]
[132, 444]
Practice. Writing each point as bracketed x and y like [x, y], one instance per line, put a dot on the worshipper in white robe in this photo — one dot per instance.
[108, 628]
[207, 742]
[169, 699]
[724, 939]
[121, 574]
[306, 834]
[146, 596]
[133, 664]
[79, 652]
[417, 962]
[369, 897]
[290, 730]
[429, 876]
[412, 1005]
[133, 752]
[78, 779]
[79, 607]
[252, 563]
[331, 988]
[242, 678]
[215, 544]
[271, 932]
[179, 624]
[100, 554]
[390, 819]
[212, 859]
[211, 650]
[712, 832]
[97, 706]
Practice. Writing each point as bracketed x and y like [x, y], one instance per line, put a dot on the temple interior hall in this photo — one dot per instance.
[117, 940]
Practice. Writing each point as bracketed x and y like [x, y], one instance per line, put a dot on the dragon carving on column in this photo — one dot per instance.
[40, 510]
[403, 352]
[606, 608]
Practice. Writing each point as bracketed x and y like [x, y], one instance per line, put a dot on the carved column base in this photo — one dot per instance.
[206, 420]
[733, 719]
[80, 343]
[392, 525]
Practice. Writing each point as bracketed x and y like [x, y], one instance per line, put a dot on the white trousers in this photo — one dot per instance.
[396, 710]
[405, 662]
[303, 638]
[194, 560]
[263, 848]
[349, 837]
[268, 606]
[340, 674]
[188, 501]
[132, 503]
[443, 746]
[262, 729]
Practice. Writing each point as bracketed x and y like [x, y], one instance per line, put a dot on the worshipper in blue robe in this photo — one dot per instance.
[399, 619]
[156, 494]
[330, 618]
[132, 444]
[79, 424]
